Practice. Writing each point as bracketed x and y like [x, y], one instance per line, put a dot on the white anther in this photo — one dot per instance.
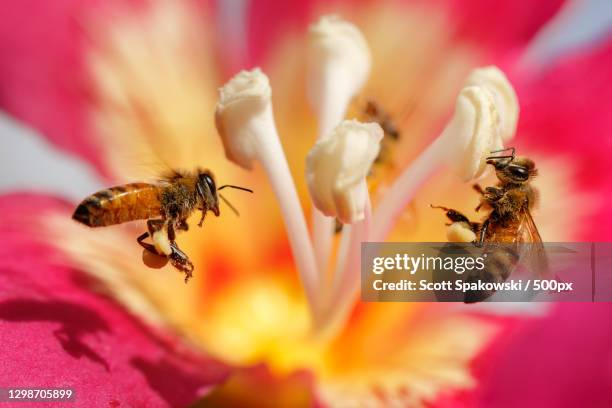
[338, 67]
[506, 102]
[472, 133]
[337, 166]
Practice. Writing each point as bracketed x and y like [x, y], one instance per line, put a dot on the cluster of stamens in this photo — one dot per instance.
[485, 116]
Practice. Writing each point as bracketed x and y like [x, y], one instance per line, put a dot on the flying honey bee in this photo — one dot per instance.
[508, 233]
[165, 205]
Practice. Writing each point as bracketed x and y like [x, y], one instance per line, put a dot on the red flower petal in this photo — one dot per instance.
[565, 110]
[56, 333]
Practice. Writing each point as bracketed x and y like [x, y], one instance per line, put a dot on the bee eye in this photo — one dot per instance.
[520, 173]
[210, 182]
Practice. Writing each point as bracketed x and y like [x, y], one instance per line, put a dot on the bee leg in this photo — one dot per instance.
[153, 226]
[171, 233]
[182, 225]
[181, 261]
[453, 215]
[483, 233]
[149, 247]
[493, 194]
[202, 218]
[478, 189]
[178, 258]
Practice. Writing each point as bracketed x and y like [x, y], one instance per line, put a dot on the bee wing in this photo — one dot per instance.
[170, 175]
[533, 253]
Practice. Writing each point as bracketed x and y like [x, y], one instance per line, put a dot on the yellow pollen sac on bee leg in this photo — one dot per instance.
[162, 245]
[161, 242]
[460, 232]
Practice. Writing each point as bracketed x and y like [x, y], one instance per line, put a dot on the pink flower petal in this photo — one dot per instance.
[42, 79]
[505, 26]
[56, 332]
[562, 360]
[269, 20]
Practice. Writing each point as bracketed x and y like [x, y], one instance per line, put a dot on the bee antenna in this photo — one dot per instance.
[236, 187]
[230, 205]
[511, 156]
[438, 207]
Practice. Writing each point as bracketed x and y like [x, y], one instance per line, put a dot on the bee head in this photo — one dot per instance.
[207, 192]
[516, 170]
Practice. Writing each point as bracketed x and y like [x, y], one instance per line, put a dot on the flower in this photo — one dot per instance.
[143, 85]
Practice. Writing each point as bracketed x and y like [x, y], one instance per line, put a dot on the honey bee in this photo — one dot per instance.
[508, 233]
[373, 112]
[165, 205]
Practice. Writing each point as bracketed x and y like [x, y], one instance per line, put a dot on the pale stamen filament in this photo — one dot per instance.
[336, 170]
[346, 280]
[245, 122]
[339, 64]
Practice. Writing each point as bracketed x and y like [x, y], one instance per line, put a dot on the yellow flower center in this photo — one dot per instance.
[262, 321]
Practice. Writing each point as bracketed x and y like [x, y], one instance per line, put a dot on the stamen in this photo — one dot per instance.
[245, 122]
[339, 65]
[463, 145]
[345, 285]
[336, 170]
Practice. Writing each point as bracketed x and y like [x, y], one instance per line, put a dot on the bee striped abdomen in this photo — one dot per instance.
[501, 261]
[116, 205]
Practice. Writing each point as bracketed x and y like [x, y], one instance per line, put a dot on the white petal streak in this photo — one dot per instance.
[29, 162]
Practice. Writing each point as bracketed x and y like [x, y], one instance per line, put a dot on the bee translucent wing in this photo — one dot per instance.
[533, 253]
[171, 174]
